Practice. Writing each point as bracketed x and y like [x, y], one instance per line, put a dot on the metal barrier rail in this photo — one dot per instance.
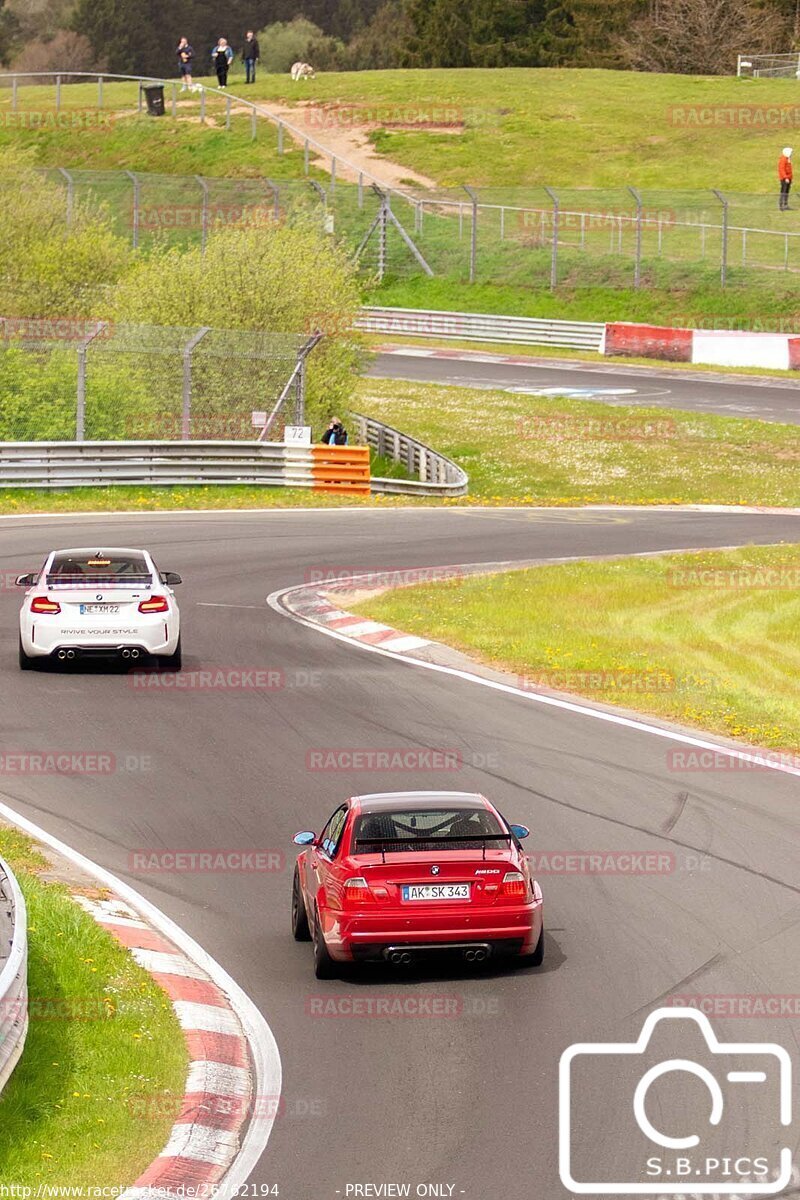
[436, 474]
[482, 327]
[99, 464]
[13, 973]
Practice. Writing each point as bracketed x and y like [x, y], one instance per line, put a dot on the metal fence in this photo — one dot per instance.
[768, 66]
[13, 973]
[482, 327]
[535, 236]
[555, 237]
[433, 474]
[82, 379]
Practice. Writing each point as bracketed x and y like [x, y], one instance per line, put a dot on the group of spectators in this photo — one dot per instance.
[221, 59]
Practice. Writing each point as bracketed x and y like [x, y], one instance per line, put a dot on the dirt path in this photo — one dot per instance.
[349, 142]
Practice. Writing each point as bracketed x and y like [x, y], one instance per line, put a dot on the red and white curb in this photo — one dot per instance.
[224, 1126]
[205, 1138]
[311, 601]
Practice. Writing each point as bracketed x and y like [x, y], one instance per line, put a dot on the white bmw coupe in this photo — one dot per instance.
[90, 603]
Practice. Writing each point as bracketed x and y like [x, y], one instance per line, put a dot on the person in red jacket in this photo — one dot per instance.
[785, 176]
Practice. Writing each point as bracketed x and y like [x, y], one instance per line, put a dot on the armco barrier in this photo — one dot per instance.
[648, 341]
[99, 464]
[436, 474]
[341, 469]
[481, 327]
[711, 347]
[13, 973]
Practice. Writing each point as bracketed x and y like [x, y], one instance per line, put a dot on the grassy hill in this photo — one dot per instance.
[506, 128]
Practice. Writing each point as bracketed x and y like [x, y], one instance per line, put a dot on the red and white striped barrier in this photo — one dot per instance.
[721, 348]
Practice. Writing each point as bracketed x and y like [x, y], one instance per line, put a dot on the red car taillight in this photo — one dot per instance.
[514, 884]
[41, 604]
[154, 605]
[356, 890]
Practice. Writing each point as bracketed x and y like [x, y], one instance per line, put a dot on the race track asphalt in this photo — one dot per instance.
[762, 398]
[468, 1100]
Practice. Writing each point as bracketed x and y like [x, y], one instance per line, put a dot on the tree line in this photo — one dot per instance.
[133, 36]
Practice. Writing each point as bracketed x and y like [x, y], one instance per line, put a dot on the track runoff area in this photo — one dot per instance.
[666, 890]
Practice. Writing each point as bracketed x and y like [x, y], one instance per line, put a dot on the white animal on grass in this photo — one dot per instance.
[301, 70]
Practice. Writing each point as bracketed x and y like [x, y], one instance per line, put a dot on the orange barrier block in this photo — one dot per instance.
[341, 469]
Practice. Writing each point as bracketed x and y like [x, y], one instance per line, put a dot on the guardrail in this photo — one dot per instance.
[160, 463]
[482, 327]
[13, 973]
[436, 474]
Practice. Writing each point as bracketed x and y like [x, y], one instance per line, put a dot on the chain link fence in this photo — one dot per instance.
[551, 237]
[66, 380]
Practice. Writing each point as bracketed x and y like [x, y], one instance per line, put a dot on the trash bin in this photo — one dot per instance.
[154, 96]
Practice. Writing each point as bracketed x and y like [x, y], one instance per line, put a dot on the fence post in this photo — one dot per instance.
[276, 199]
[80, 398]
[305, 157]
[300, 392]
[100, 92]
[333, 174]
[135, 180]
[14, 85]
[723, 266]
[637, 269]
[58, 93]
[253, 119]
[280, 137]
[227, 113]
[70, 195]
[139, 104]
[186, 417]
[204, 214]
[360, 189]
[554, 256]
[473, 240]
[174, 101]
[203, 106]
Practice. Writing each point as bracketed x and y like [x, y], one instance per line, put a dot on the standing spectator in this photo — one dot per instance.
[251, 55]
[785, 176]
[335, 434]
[222, 57]
[185, 56]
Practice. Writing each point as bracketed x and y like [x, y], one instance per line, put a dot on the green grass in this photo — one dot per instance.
[523, 127]
[544, 450]
[711, 639]
[763, 304]
[144, 499]
[100, 1081]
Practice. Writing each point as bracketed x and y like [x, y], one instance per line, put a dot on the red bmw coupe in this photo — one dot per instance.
[397, 875]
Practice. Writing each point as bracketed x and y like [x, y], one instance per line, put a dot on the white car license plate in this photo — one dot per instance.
[99, 610]
[436, 891]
